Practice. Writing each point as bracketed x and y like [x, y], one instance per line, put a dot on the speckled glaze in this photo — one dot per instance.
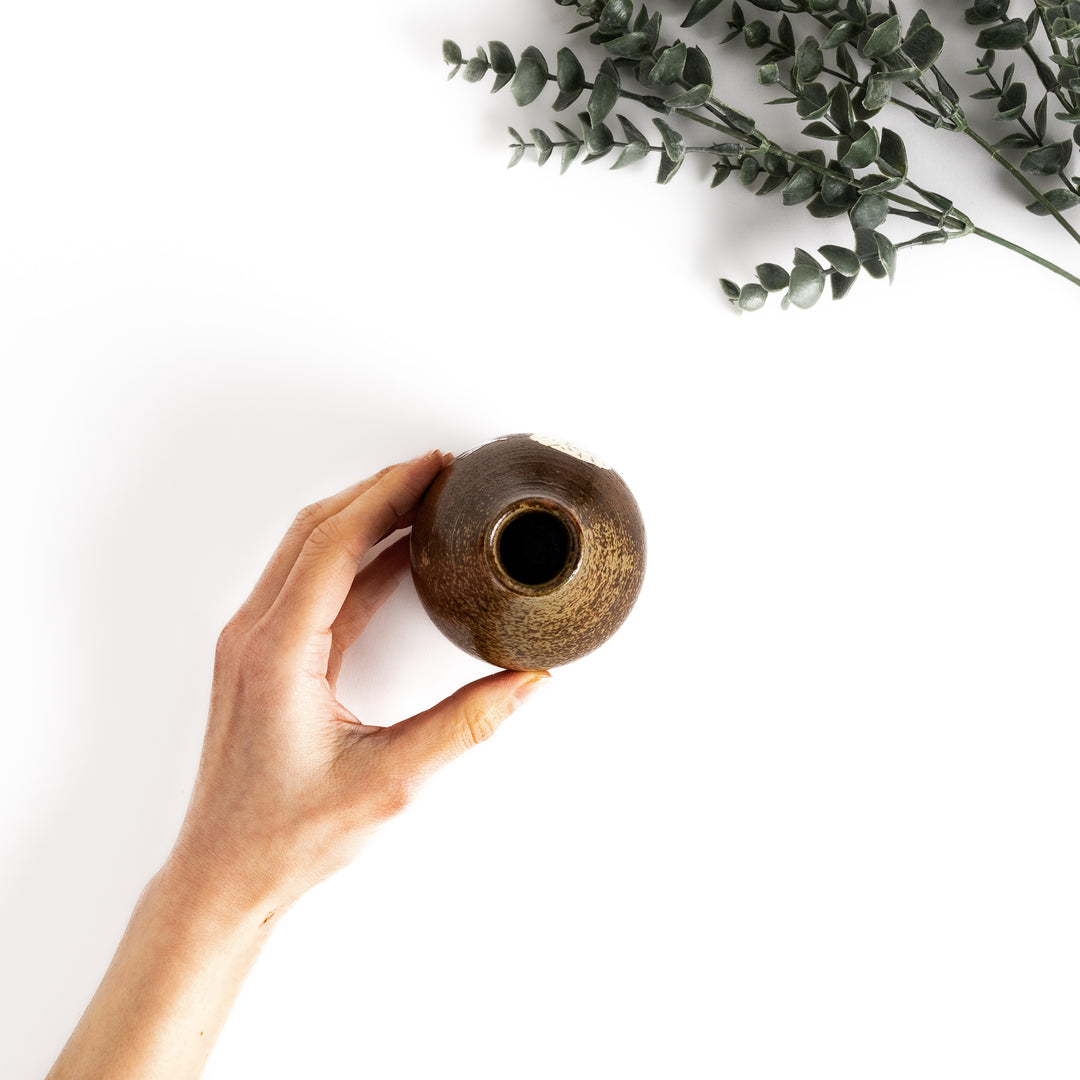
[528, 552]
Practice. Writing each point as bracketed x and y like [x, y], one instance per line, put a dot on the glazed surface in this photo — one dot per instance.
[527, 625]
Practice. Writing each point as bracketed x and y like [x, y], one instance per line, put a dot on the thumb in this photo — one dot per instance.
[466, 718]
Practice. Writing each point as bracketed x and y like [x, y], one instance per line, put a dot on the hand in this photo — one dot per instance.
[291, 782]
[289, 785]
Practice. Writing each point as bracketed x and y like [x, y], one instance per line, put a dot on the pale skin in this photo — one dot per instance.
[289, 786]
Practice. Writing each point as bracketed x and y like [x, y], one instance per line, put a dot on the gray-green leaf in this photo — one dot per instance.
[698, 10]
[691, 99]
[842, 259]
[883, 39]
[807, 285]
[1048, 160]
[669, 67]
[604, 95]
[863, 151]
[893, 152]
[752, 296]
[800, 187]
[674, 144]
[775, 278]
[923, 46]
[633, 151]
[615, 16]
[1008, 35]
[543, 145]
[869, 212]
[1059, 198]
[530, 78]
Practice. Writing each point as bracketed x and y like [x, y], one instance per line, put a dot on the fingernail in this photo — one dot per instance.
[525, 690]
[424, 457]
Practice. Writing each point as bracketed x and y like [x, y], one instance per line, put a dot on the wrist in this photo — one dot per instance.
[189, 891]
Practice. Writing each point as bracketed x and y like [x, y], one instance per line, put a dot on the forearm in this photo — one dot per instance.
[170, 986]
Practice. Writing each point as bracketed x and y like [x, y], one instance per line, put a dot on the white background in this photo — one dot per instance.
[812, 812]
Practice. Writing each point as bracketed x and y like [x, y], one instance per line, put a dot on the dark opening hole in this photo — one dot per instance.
[534, 547]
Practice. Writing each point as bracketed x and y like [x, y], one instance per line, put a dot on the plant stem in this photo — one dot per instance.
[1039, 196]
[1031, 132]
[1027, 254]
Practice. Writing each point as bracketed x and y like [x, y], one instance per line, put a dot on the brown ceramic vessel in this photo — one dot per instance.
[528, 552]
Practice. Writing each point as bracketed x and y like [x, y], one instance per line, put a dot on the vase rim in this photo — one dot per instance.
[568, 564]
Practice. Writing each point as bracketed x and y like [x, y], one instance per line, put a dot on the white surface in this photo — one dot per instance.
[812, 812]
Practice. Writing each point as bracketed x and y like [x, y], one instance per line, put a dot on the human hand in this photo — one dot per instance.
[291, 782]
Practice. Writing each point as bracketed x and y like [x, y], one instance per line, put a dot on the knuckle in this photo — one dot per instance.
[228, 642]
[478, 725]
[253, 648]
[327, 534]
[310, 516]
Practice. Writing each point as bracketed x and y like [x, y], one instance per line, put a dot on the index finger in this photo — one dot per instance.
[321, 577]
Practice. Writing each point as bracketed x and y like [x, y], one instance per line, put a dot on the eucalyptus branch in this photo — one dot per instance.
[864, 176]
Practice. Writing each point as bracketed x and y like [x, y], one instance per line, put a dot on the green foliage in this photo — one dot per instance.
[839, 64]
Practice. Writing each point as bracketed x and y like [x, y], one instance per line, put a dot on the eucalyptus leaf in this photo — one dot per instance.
[629, 46]
[923, 46]
[631, 133]
[843, 260]
[804, 258]
[530, 78]
[1059, 198]
[1012, 34]
[813, 101]
[698, 10]
[802, 185]
[1048, 160]
[475, 69]
[598, 138]
[669, 67]
[691, 99]
[674, 143]
[862, 167]
[749, 170]
[840, 285]
[615, 16]
[869, 212]
[569, 74]
[502, 59]
[863, 151]
[569, 152]
[840, 33]
[893, 152]
[807, 285]
[809, 61]
[603, 97]
[633, 151]
[1012, 102]
[752, 296]
[883, 39]
[772, 276]
[876, 94]
[543, 144]
[668, 167]
[697, 68]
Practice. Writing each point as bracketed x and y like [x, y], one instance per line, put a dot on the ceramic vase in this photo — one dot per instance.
[528, 552]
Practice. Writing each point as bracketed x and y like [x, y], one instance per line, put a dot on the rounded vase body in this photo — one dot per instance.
[527, 552]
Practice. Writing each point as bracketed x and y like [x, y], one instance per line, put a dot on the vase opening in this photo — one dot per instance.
[535, 547]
